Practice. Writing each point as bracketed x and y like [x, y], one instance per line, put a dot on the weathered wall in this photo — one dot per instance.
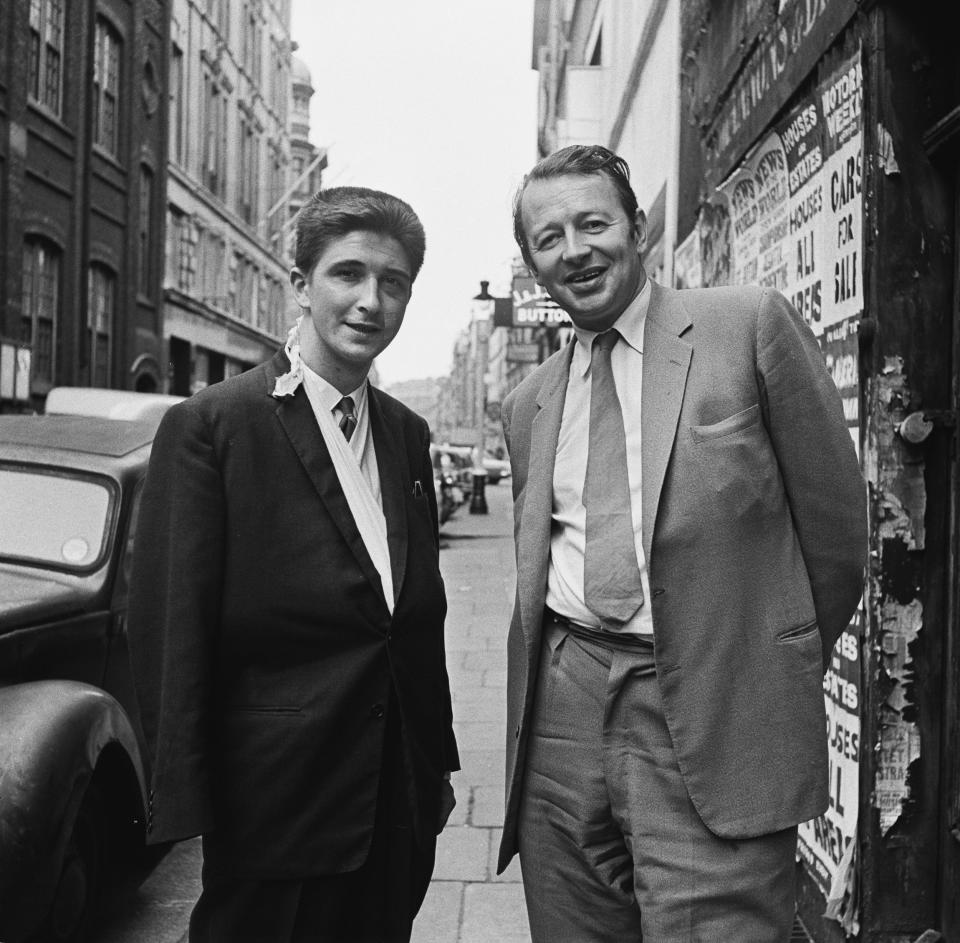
[909, 220]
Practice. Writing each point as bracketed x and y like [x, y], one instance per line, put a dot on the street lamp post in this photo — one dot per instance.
[482, 311]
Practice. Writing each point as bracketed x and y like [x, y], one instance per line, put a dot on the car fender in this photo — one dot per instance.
[51, 737]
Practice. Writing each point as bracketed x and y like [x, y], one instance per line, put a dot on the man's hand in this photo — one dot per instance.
[447, 802]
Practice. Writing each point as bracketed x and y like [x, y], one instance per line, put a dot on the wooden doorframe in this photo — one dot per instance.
[949, 853]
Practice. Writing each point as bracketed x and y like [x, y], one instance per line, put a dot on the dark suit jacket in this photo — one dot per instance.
[754, 529]
[264, 653]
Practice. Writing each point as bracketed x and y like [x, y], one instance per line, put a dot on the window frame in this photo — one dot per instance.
[107, 82]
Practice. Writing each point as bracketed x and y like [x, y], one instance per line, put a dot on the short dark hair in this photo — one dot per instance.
[584, 160]
[332, 213]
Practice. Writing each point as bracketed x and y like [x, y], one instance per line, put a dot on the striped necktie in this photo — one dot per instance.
[348, 421]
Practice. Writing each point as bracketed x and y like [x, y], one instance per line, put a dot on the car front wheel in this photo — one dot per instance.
[78, 888]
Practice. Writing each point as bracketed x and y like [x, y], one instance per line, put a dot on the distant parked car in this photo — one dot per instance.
[451, 477]
[496, 468]
[72, 765]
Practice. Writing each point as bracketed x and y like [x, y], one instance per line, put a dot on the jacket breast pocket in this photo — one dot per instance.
[735, 423]
[737, 470]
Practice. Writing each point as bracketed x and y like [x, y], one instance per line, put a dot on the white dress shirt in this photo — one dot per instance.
[568, 528]
[355, 463]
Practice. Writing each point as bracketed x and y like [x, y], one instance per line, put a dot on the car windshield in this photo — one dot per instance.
[53, 518]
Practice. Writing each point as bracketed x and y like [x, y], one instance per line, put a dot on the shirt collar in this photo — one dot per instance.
[629, 324]
[329, 396]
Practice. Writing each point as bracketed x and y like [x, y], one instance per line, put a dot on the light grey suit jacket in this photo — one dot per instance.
[755, 534]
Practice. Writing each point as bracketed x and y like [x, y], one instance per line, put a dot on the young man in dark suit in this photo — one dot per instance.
[287, 611]
[691, 537]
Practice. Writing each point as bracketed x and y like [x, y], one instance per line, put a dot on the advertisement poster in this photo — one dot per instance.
[824, 840]
[686, 262]
[791, 216]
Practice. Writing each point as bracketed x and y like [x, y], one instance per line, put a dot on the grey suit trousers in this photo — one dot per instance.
[611, 848]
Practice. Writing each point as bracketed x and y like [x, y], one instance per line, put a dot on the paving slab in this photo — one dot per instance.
[482, 767]
[441, 913]
[481, 734]
[494, 913]
[463, 854]
[486, 809]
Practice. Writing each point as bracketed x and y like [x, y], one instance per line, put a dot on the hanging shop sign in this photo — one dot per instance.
[533, 307]
[523, 353]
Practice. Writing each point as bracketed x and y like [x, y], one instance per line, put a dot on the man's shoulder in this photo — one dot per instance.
[731, 310]
[719, 298]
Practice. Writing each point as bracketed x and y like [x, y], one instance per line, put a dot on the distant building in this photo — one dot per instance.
[83, 93]
[307, 161]
[226, 298]
[422, 396]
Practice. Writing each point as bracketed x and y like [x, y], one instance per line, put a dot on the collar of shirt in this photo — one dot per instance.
[629, 324]
[329, 397]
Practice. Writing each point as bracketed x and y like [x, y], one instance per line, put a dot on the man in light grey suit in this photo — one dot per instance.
[690, 524]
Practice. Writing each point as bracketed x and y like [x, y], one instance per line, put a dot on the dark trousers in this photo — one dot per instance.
[611, 848]
[374, 904]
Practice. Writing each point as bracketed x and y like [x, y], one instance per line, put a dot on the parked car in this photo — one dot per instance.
[451, 477]
[496, 468]
[73, 770]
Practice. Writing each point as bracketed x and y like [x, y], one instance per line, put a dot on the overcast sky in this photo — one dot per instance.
[434, 101]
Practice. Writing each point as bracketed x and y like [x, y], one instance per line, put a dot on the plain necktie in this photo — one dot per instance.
[611, 577]
[348, 421]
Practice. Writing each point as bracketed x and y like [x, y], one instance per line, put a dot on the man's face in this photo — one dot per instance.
[357, 293]
[586, 252]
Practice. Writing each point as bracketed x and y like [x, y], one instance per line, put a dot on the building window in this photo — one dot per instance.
[249, 171]
[233, 284]
[181, 258]
[596, 54]
[46, 52]
[276, 190]
[276, 307]
[176, 104]
[281, 84]
[252, 40]
[101, 302]
[106, 87]
[212, 252]
[262, 309]
[214, 150]
[145, 233]
[41, 305]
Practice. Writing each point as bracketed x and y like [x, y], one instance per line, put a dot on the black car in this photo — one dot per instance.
[72, 763]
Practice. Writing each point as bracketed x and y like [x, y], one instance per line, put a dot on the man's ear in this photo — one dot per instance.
[640, 227]
[299, 282]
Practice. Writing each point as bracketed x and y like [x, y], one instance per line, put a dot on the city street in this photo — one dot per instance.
[467, 902]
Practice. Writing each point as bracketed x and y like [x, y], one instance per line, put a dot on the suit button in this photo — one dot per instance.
[377, 710]
[659, 591]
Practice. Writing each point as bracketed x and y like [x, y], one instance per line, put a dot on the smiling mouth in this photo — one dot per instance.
[585, 277]
[363, 328]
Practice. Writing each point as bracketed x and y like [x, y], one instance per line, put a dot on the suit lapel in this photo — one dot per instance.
[300, 424]
[534, 534]
[666, 360]
[394, 470]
